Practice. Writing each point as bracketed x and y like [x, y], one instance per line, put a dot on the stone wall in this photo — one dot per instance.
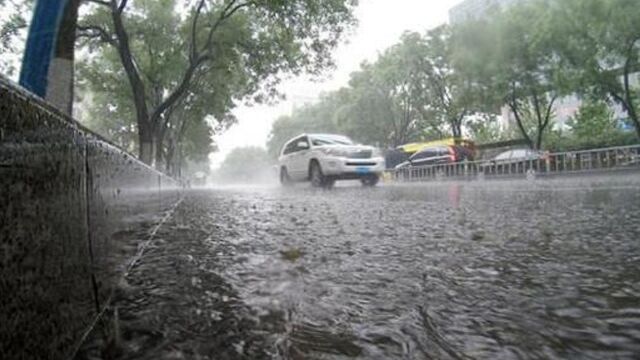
[74, 210]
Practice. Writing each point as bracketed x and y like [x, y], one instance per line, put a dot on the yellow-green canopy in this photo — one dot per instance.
[415, 147]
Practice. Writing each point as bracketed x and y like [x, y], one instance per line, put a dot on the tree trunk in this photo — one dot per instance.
[539, 139]
[514, 108]
[456, 128]
[633, 115]
[145, 131]
[146, 145]
[631, 108]
[159, 151]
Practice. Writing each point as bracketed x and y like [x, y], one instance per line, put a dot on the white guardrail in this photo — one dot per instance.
[585, 161]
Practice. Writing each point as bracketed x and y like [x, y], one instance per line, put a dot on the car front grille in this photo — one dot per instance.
[363, 154]
[361, 164]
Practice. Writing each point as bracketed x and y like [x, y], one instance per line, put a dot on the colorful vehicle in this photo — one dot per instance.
[417, 147]
[438, 155]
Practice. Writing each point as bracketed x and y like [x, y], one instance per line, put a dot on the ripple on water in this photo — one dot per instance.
[412, 272]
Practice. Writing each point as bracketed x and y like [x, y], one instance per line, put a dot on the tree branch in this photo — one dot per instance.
[126, 57]
[513, 105]
[550, 109]
[631, 110]
[95, 31]
[194, 37]
[197, 57]
[123, 4]
[179, 91]
[227, 12]
[100, 2]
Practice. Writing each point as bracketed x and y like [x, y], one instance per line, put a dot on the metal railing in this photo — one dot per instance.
[585, 161]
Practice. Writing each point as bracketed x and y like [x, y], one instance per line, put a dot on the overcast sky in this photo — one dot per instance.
[381, 22]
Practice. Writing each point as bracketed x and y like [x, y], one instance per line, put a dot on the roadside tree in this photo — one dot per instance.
[602, 52]
[253, 42]
[514, 57]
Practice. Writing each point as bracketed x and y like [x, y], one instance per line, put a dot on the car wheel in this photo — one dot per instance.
[285, 179]
[315, 174]
[370, 181]
[329, 183]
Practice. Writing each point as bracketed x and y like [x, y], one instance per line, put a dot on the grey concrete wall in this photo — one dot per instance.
[74, 210]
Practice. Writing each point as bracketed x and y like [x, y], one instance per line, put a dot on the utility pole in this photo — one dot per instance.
[48, 63]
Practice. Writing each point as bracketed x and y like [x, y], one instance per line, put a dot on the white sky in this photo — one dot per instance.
[381, 22]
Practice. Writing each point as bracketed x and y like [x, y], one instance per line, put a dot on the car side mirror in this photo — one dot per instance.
[303, 145]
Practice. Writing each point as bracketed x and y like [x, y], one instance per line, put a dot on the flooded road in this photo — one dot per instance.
[495, 270]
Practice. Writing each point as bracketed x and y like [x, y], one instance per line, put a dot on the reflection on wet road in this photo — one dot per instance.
[505, 270]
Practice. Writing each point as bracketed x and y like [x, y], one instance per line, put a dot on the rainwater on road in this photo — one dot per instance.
[486, 270]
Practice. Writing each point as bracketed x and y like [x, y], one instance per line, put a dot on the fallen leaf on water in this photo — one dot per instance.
[291, 254]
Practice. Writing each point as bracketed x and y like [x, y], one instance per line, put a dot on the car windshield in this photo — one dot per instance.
[430, 152]
[320, 140]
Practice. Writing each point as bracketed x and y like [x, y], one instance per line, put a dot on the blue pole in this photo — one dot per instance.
[41, 42]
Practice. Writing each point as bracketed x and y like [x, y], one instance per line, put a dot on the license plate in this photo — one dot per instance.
[363, 170]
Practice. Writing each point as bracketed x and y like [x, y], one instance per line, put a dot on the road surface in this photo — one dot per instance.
[485, 270]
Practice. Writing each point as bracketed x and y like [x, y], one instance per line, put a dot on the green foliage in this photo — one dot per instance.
[593, 126]
[388, 97]
[389, 102]
[245, 165]
[601, 49]
[594, 121]
[452, 94]
[202, 65]
[486, 130]
[13, 26]
[514, 58]
[316, 118]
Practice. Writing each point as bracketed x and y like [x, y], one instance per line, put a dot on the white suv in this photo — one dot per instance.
[323, 159]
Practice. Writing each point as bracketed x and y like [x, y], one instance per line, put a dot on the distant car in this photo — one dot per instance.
[324, 158]
[438, 155]
[518, 155]
[517, 161]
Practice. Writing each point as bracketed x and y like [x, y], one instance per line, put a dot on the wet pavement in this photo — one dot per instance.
[493, 270]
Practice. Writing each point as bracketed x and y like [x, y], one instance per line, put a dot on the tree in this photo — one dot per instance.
[602, 56]
[388, 98]
[13, 26]
[515, 58]
[259, 38]
[160, 65]
[311, 118]
[485, 130]
[245, 165]
[193, 151]
[453, 96]
[594, 122]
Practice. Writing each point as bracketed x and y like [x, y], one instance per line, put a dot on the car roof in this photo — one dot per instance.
[428, 148]
[327, 135]
[316, 134]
